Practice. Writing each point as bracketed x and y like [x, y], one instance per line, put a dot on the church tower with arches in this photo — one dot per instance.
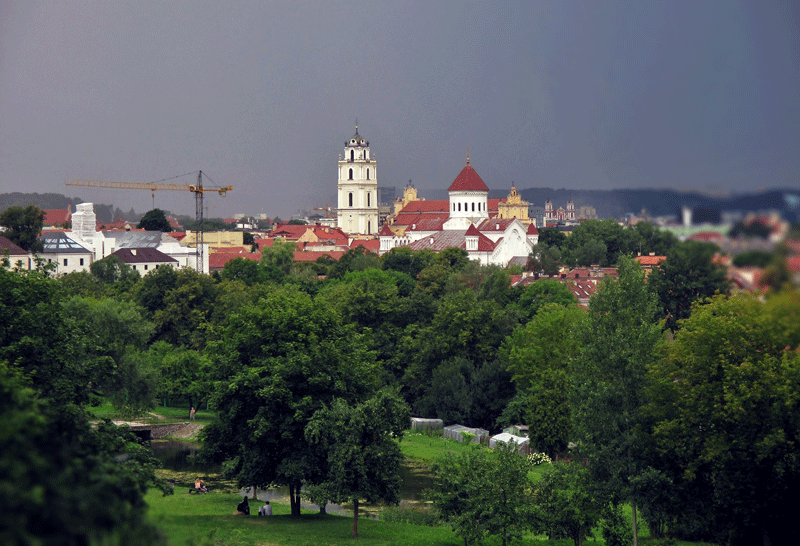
[358, 188]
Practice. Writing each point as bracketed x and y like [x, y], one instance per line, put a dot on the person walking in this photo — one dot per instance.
[191, 414]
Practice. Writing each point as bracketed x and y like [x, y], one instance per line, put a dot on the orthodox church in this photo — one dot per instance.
[468, 220]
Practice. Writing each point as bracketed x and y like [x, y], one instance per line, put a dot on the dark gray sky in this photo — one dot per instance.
[700, 95]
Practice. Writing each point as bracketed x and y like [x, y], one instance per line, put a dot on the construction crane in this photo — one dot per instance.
[197, 189]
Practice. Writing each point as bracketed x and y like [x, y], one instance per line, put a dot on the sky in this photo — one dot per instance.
[700, 95]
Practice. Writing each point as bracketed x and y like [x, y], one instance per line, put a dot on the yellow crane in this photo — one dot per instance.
[197, 189]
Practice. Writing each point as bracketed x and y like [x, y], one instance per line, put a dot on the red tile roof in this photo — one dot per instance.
[495, 224]
[217, 260]
[13, 249]
[437, 205]
[705, 236]
[427, 224]
[57, 217]
[386, 231]
[468, 180]
[314, 255]
[650, 260]
[532, 230]
[373, 245]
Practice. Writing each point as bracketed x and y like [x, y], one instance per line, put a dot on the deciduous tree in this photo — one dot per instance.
[23, 226]
[618, 341]
[363, 456]
[276, 362]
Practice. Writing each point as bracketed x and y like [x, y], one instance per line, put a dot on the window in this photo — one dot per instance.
[352, 158]
[65, 261]
[369, 226]
[473, 207]
[81, 262]
[459, 207]
[368, 195]
[367, 174]
[350, 177]
[350, 196]
[145, 267]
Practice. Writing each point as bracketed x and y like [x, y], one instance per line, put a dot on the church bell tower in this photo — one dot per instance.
[358, 188]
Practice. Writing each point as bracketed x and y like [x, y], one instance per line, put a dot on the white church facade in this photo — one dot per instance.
[490, 241]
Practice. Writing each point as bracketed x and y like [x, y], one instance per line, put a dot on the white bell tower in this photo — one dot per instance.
[358, 188]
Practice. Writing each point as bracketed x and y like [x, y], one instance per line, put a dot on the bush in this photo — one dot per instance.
[615, 528]
[410, 513]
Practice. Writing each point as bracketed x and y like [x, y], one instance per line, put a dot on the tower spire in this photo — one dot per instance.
[467, 155]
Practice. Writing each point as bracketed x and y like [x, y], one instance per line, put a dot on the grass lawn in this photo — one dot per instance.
[209, 520]
[159, 414]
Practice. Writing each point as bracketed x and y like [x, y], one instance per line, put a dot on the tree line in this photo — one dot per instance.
[290, 360]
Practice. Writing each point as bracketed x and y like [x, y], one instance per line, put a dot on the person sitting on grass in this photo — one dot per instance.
[200, 486]
[265, 510]
[243, 507]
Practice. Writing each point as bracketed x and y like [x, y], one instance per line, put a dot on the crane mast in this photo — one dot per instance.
[198, 189]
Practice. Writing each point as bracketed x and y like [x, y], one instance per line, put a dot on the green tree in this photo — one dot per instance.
[408, 261]
[355, 259]
[727, 404]
[182, 373]
[275, 363]
[23, 226]
[115, 331]
[567, 504]
[542, 292]
[155, 220]
[483, 493]
[545, 259]
[539, 356]
[619, 340]
[63, 481]
[688, 274]
[460, 482]
[111, 270]
[37, 337]
[179, 303]
[242, 269]
[755, 258]
[361, 444]
[277, 260]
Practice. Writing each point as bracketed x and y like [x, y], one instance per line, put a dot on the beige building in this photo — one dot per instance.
[215, 239]
[515, 207]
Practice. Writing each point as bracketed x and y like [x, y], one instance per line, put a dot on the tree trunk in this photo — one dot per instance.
[294, 499]
[635, 527]
[355, 518]
[322, 509]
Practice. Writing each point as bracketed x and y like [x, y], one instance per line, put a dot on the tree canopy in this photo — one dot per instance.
[155, 220]
[23, 226]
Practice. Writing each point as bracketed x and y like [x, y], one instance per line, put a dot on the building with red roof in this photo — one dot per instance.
[57, 218]
[468, 220]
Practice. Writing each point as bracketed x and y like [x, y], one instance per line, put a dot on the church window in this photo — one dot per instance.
[459, 207]
[368, 195]
[473, 207]
[352, 156]
[367, 174]
[369, 226]
[350, 196]
[350, 176]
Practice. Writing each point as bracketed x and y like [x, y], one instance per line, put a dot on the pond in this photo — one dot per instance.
[178, 456]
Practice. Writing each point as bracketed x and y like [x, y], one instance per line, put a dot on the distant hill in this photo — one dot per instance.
[49, 201]
[616, 203]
